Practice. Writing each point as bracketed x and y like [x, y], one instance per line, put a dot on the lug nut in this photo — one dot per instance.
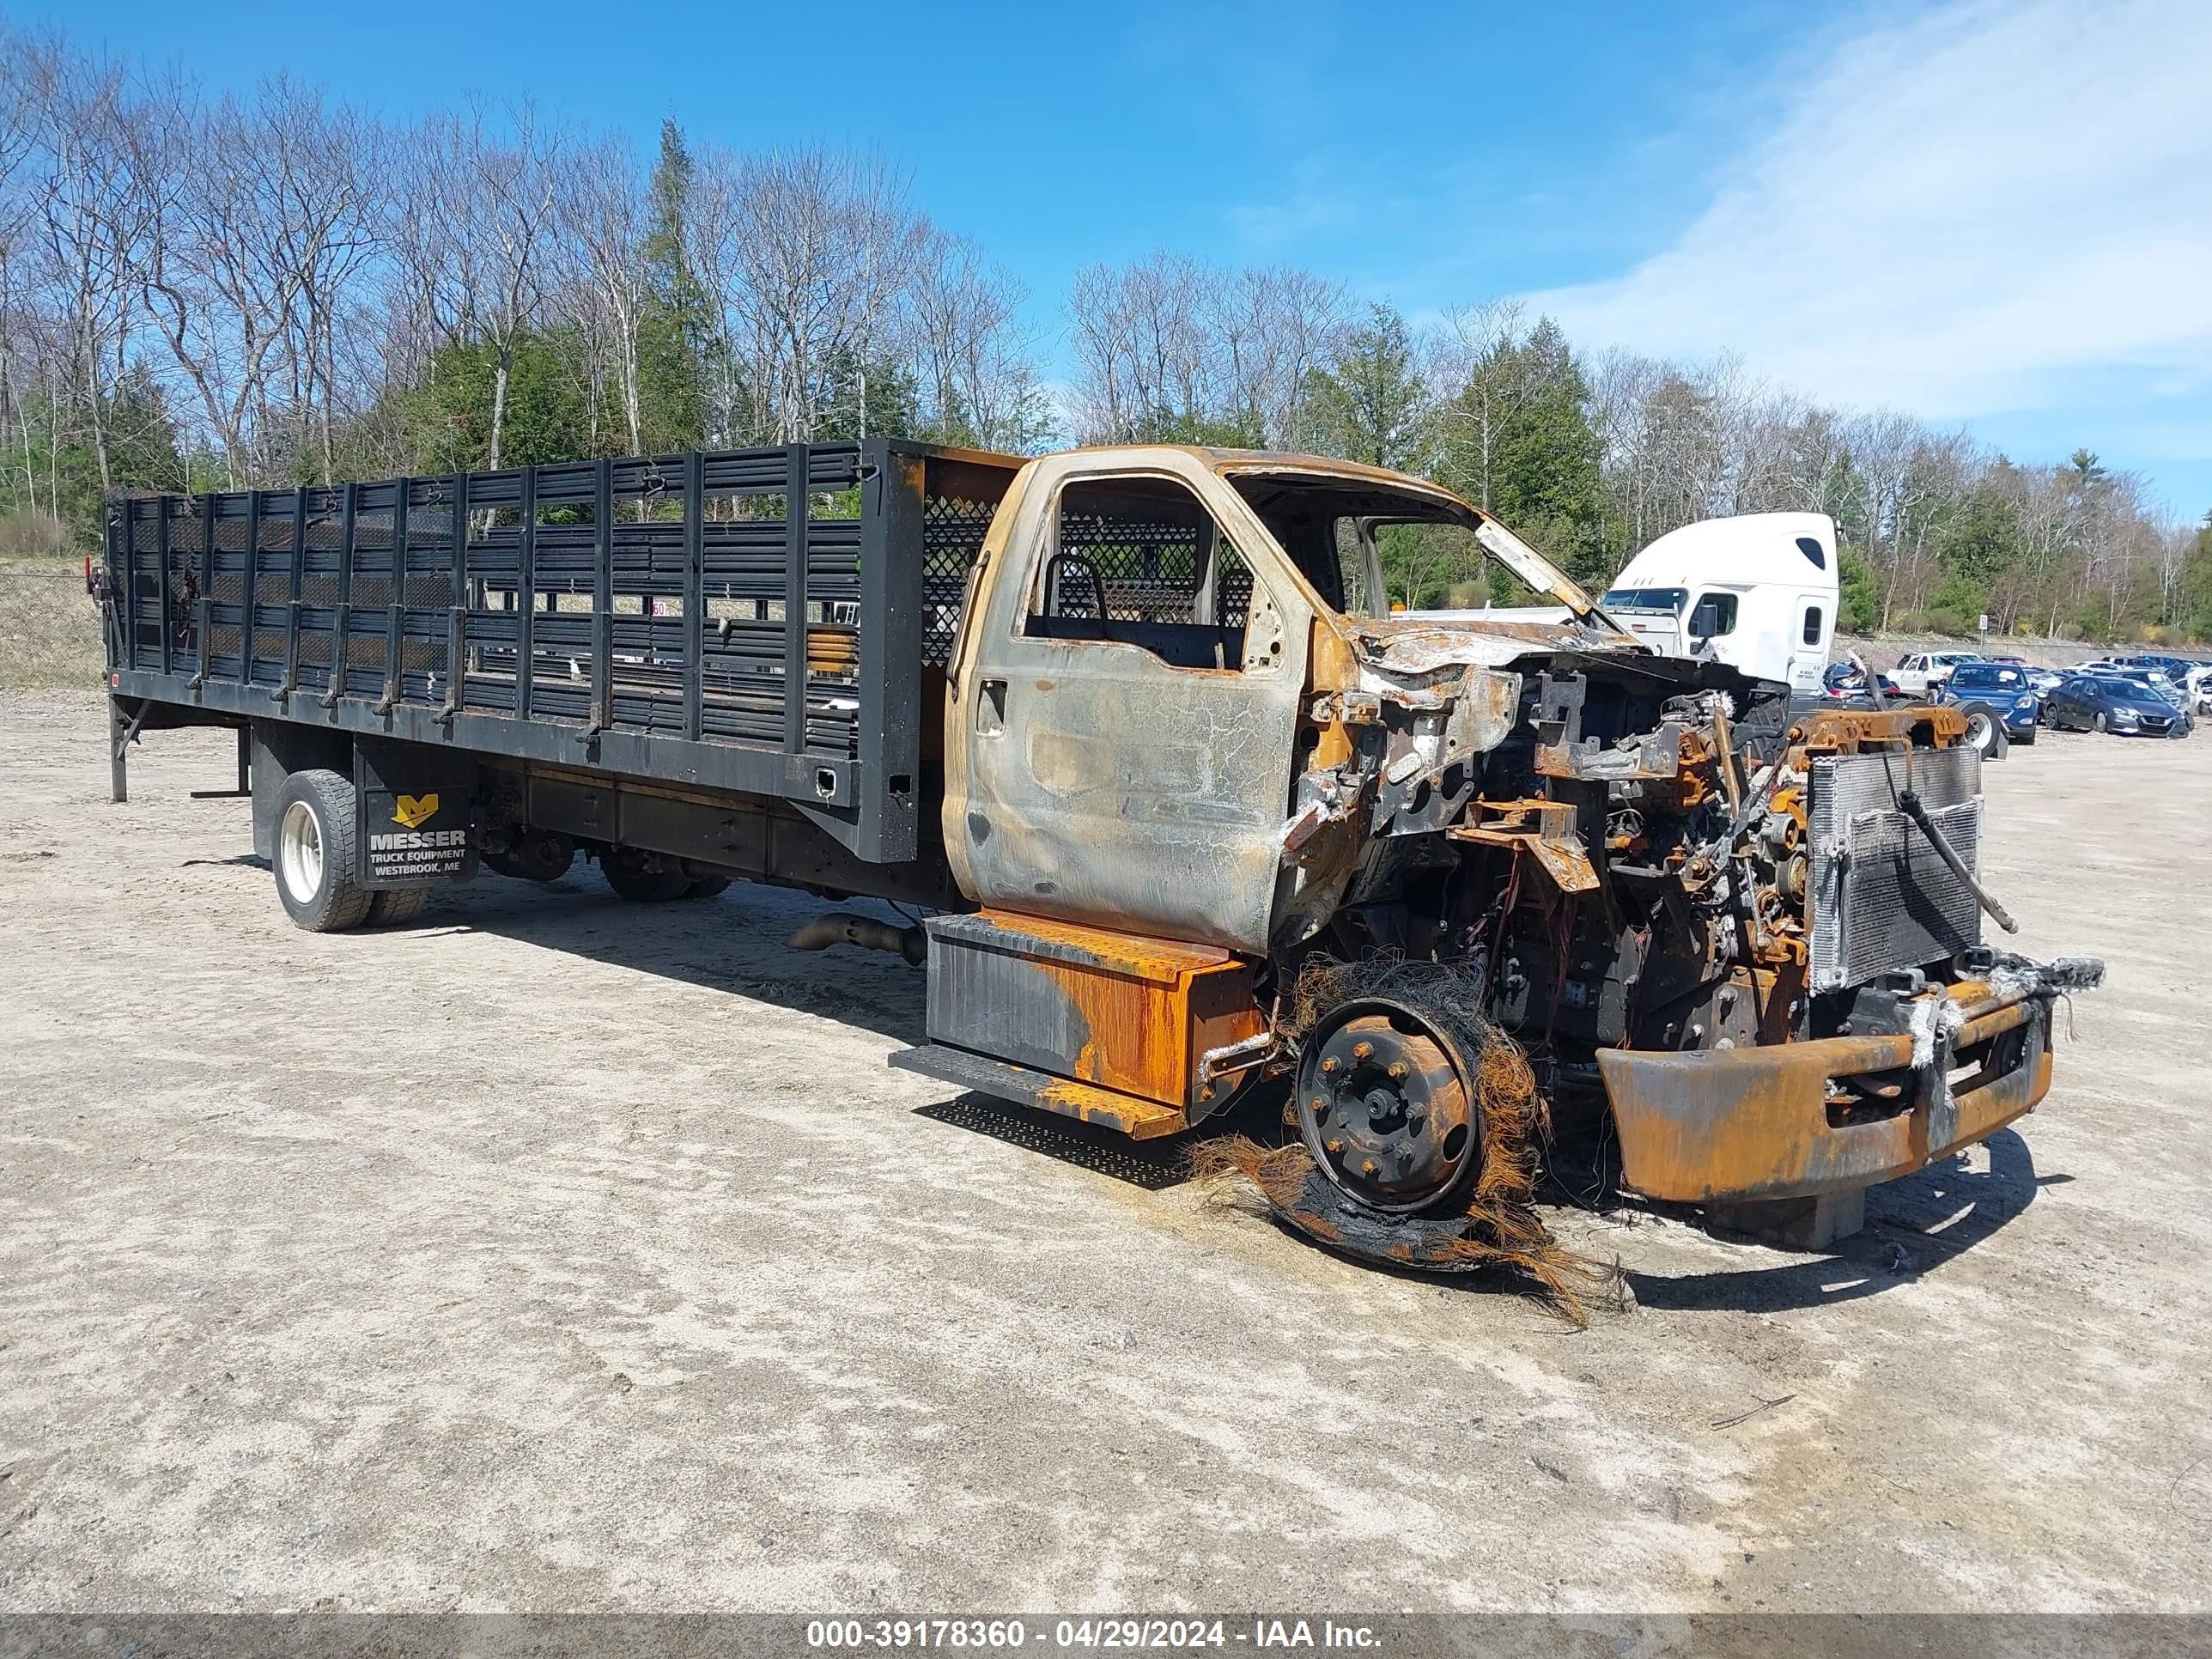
[1329, 1065]
[1363, 1050]
[1333, 1147]
[1399, 1068]
[1367, 1166]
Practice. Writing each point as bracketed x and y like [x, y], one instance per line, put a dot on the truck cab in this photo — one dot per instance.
[1758, 591]
[1220, 826]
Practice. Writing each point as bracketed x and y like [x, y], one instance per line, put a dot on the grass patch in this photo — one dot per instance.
[49, 630]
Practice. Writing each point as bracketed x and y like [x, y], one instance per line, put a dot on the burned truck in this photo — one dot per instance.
[1189, 812]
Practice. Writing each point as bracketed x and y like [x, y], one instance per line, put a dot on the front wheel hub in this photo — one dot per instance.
[1384, 1110]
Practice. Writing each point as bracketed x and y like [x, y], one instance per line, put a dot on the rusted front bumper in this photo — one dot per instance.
[1765, 1122]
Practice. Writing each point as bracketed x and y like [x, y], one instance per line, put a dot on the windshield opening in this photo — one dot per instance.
[1668, 599]
[1432, 551]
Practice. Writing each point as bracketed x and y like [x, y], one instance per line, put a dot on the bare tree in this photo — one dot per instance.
[1147, 363]
[94, 211]
[972, 357]
[259, 216]
[474, 242]
[1273, 328]
[813, 251]
[603, 210]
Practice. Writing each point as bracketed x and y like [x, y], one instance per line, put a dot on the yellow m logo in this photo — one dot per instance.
[414, 811]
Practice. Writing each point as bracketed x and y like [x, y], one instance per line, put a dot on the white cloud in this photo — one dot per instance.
[1958, 214]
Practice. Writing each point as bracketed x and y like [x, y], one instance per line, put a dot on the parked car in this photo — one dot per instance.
[2045, 680]
[2188, 677]
[1993, 695]
[2174, 692]
[2106, 702]
[2194, 679]
[1843, 680]
[1922, 670]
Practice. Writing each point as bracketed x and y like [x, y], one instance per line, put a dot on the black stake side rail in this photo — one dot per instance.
[752, 620]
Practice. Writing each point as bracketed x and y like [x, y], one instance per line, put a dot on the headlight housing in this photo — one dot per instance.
[2123, 717]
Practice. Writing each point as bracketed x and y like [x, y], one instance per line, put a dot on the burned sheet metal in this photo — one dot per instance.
[1543, 829]
[1133, 1015]
[1783, 1120]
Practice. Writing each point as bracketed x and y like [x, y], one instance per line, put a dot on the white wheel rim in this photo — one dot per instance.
[1977, 730]
[300, 853]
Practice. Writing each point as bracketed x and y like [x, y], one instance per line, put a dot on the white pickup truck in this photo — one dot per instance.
[1922, 671]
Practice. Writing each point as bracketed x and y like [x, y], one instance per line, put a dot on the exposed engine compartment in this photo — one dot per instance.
[1625, 865]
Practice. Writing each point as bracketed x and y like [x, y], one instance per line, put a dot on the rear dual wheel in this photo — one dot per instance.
[314, 861]
[316, 877]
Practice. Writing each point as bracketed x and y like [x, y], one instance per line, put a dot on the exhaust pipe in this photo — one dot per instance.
[843, 927]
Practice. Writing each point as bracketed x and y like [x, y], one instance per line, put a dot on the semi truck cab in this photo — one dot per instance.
[1758, 591]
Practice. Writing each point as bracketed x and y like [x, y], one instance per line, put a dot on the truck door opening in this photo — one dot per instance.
[1130, 743]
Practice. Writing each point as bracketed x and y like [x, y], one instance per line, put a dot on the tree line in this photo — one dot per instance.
[221, 291]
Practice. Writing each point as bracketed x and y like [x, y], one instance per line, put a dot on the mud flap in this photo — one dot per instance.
[416, 811]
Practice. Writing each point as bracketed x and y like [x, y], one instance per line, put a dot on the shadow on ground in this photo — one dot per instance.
[732, 942]
[1914, 1226]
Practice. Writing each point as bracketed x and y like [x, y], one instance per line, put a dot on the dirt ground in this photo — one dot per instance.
[560, 1255]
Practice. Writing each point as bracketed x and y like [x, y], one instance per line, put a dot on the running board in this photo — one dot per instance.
[1110, 1108]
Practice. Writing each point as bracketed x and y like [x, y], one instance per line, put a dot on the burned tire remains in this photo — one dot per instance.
[1455, 1194]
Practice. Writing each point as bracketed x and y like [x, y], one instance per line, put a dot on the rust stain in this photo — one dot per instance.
[1755, 1122]
[1141, 1119]
[1544, 828]
[1152, 1007]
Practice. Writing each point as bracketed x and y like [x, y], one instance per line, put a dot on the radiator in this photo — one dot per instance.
[1882, 897]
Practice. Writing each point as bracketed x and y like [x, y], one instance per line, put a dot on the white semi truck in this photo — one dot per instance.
[1757, 592]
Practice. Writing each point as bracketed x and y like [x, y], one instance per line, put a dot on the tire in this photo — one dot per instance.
[1985, 729]
[2098, 724]
[395, 907]
[630, 875]
[314, 861]
[708, 887]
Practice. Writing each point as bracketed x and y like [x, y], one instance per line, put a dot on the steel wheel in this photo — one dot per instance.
[1978, 730]
[300, 853]
[1384, 1109]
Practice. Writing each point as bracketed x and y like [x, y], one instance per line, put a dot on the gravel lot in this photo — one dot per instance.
[560, 1255]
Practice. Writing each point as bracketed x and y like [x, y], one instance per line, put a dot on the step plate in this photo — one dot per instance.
[1141, 1119]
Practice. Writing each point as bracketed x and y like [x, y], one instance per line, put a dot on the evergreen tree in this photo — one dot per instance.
[1369, 401]
[443, 418]
[1516, 438]
[673, 332]
[2196, 595]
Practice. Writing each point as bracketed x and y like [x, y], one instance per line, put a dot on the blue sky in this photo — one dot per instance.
[1993, 214]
